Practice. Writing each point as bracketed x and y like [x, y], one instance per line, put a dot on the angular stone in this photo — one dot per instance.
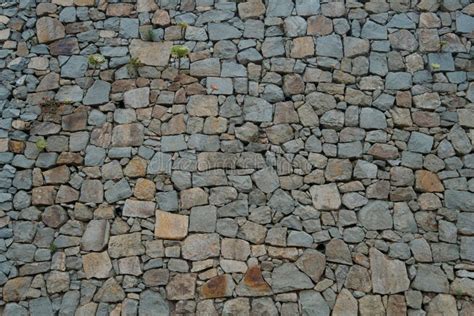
[110, 292]
[181, 287]
[217, 287]
[15, 290]
[126, 245]
[427, 181]
[49, 29]
[313, 263]
[430, 279]
[151, 53]
[376, 216]
[134, 208]
[202, 105]
[98, 93]
[96, 235]
[137, 98]
[127, 135]
[171, 226]
[201, 246]
[97, 265]
[287, 277]
[253, 283]
[338, 251]
[346, 304]
[325, 197]
[388, 276]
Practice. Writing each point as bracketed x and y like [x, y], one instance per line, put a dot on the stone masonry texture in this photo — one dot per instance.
[236, 157]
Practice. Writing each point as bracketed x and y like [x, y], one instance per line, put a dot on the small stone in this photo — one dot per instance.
[201, 246]
[171, 226]
[134, 208]
[137, 98]
[110, 292]
[253, 283]
[287, 278]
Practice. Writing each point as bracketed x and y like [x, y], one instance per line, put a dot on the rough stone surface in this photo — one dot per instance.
[217, 157]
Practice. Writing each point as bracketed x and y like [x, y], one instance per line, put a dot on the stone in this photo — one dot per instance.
[110, 292]
[345, 304]
[253, 283]
[388, 276]
[152, 303]
[137, 98]
[200, 105]
[97, 265]
[313, 303]
[201, 246]
[151, 53]
[287, 278]
[217, 287]
[427, 181]
[98, 93]
[325, 197]
[430, 278]
[181, 287]
[134, 208]
[329, 46]
[49, 29]
[338, 251]
[126, 135]
[96, 235]
[15, 289]
[171, 226]
[125, 245]
[251, 9]
[266, 179]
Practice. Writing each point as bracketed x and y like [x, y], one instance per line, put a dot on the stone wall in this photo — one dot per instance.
[301, 157]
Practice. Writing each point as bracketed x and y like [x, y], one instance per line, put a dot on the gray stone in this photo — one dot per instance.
[222, 31]
[329, 46]
[280, 8]
[376, 216]
[152, 303]
[420, 143]
[287, 278]
[398, 81]
[75, 67]
[430, 279]
[372, 119]
[313, 303]
[98, 93]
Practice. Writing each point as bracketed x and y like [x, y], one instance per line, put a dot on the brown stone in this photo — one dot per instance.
[346, 304]
[49, 29]
[151, 53]
[388, 276]
[319, 25]
[285, 113]
[217, 287]
[110, 292]
[126, 245]
[426, 119]
[43, 195]
[181, 287]
[161, 18]
[15, 290]
[84, 3]
[136, 167]
[156, 277]
[144, 189]
[427, 181]
[293, 84]
[66, 194]
[54, 216]
[176, 125]
[302, 47]
[358, 279]
[66, 46]
[134, 208]
[68, 158]
[396, 306]
[76, 121]
[127, 135]
[119, 9]
[146, 5]
[251, 9]
[313, 263]
[102, 136]
[253, 283]
[16, 146]
[49, 82]
[57, 175]
[193, 197]
[171, 226]
[202, 105]
[383, 151]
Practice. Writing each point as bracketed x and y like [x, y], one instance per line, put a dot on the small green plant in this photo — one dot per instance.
[133, 65]
[435, 66]
[183, 25]
[53, 248]
[41, 144]
[95, 60]
[178, 52]
[150, 35]
[443, 44]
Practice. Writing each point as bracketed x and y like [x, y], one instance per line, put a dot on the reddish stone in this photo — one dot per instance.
[427, 181]
[253, 283]
[219, 286]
